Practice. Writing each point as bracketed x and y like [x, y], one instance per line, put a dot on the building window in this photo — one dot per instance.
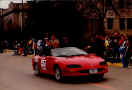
[129, 4]
[9, 21]
[121, 3]
[122, 23]
[108, 3]
[129, 23]
[110, 23]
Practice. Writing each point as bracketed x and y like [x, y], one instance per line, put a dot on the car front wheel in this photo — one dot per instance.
[36, 70]
[58, 74]
[100, 76]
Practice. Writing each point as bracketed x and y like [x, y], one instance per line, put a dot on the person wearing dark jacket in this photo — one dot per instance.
[99, 47]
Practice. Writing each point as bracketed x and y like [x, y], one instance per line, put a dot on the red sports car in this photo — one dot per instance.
[69, 61]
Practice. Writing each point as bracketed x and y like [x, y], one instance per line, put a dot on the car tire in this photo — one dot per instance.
[58, 74]
[100, 76]
[37, 70]
[97, 77]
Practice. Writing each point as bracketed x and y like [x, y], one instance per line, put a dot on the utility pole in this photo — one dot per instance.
[22, 16]
[103, 13]
[1, 19]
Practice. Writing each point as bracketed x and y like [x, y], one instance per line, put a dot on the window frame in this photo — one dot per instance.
[110, 24]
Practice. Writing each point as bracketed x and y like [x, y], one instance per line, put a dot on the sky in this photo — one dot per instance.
[4, 3]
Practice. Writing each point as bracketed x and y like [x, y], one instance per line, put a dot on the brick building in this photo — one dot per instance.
[55, 16]
[68, 16]
[92, 11]
[14, 17]
[118, 16]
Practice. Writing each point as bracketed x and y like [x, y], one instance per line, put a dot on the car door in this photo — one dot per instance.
[50, 64]
[43, 65]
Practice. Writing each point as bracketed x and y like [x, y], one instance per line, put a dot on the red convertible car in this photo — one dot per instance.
[69, 61]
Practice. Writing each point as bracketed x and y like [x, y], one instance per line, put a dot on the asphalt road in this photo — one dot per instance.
[16, 74]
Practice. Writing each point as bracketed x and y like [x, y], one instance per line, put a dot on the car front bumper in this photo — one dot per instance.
[84, 72]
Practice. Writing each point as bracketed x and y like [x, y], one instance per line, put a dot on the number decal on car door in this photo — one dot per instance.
[43, 64]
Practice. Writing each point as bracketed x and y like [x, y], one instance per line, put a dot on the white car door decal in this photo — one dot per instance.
[43, 64]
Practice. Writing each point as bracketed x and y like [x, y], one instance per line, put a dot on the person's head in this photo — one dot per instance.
[46, 39]
[53, 37]
[122, 37]
[107, 37]
[127, 40]
[92, 39]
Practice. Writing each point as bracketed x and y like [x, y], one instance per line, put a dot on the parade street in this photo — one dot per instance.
[16, 74]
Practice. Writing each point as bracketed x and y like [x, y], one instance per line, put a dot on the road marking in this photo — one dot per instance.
[104, 86]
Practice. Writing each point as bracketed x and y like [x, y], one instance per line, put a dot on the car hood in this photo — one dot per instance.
[81, 60]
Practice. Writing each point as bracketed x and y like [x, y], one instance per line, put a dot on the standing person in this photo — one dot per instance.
[42, 43]
[54, 42]
[115, 48]
[38, 46]
[128, 54]
[30, 43]
[46, 43]
[34, 46]
[15, 47]
[122, 38]
[47, 46]
[18, 47]
[123, 52]
[100, 48]
[25, 47]
[106, 42]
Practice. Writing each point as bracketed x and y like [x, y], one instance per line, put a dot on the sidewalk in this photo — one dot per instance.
[114, 64]
[7, 51]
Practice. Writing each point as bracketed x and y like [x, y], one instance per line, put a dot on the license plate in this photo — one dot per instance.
[93, 71]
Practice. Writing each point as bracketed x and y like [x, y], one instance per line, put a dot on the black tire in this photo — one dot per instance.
[37, 70]
[58, 74]
[100, 76]
[97, 77]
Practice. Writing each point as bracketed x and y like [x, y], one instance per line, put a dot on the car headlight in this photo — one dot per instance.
[103, 63]
[74, 66]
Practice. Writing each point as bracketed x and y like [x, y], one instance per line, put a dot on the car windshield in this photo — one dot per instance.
[67, 51]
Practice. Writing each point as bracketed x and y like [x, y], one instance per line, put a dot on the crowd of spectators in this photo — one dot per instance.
[40, 45]
[117, 48]
[114, 47]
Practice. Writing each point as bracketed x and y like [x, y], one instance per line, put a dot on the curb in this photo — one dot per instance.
[114, 64]
[8, 51]
[30, 56]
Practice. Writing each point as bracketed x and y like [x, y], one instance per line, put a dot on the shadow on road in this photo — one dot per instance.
[82, 80]
[75, 80]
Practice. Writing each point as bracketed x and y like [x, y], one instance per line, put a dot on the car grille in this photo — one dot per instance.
[87, 71]
[84, 71]
[100, 69]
